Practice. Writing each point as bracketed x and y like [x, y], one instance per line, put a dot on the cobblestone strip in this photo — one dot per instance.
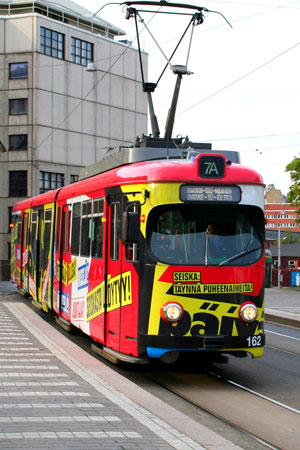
[160, 428]
[56, 418]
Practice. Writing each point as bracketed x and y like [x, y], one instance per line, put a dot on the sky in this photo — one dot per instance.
[244, 93]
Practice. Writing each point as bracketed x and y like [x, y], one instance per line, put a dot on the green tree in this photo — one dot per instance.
[289, 238]
[293, 196]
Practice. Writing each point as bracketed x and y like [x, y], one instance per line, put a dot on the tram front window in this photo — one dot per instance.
[202, 236]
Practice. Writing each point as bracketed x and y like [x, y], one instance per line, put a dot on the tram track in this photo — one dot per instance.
[283, 342]
[269, 422]
[283, 350]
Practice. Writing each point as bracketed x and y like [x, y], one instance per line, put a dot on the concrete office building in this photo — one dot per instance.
[55, 116]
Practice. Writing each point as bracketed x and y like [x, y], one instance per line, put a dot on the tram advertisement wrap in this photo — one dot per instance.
[209, 307]
[118, 295]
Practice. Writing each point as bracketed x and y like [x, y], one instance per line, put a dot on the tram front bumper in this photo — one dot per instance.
[161, 344]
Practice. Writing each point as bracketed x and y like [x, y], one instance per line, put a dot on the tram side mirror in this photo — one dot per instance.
[131, 227]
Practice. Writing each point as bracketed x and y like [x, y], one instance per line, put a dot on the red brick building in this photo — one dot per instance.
[278, 214]
[281, 216]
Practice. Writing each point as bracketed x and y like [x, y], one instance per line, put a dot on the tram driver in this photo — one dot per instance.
[220, 245]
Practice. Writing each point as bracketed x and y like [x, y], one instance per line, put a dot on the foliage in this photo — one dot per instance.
[293, 196]
[290, 238]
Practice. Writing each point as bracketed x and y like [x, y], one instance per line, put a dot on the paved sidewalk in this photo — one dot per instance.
[282, 306]
[54, 395]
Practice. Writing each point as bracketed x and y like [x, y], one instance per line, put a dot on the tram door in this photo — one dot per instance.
[24, 252]
[65, 289]
[115, 258]
[33, 254]
[44, 269]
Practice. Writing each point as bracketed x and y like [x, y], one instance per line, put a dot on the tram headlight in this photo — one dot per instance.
[248, 312]
[171, 312]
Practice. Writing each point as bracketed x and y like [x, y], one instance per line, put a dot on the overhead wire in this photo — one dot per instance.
[253, 137]
[245, 75]
[251, 72]
[185, 110]
[261, 5]
[237, 80]
[88, 93]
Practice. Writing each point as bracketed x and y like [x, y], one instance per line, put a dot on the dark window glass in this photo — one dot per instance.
[58, 229]
[183, 235]
[18, 70]
[17, 183]
[86, 229]
[50, 180]
[47, 237]
[33, 243]
[132, 249]
[97, 228]
[81, 51]
[52, 43]
[75, 238]
[85, 236]
[97, 244]
[18, 106]
[17, 142]
[66, 231]
[115, 231]
[73, 178]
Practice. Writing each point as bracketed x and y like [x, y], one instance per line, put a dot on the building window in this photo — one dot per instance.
[52, 43]
[291, 263]
[18, 70]
[50, 180]
[81, 51]
[17, 142]
[74, 178]
[17, 183]
[18, 106]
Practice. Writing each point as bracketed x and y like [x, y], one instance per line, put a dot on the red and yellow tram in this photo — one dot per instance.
[152, 256]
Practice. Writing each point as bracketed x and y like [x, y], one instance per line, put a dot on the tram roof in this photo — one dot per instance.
[166, 170]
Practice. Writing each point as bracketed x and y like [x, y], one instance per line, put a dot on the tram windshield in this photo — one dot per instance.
[220, 236]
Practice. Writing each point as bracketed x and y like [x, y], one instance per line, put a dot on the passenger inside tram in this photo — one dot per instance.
[190, 236]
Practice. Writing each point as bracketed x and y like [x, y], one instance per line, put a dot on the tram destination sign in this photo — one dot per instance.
[231, 194]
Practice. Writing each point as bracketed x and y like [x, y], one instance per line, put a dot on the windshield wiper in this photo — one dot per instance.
[240, 255]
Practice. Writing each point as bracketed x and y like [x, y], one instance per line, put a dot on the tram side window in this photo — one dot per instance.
[16, 232]
[132, 249]
[97, 228]
[24, 230]
[47, 236]
[57, 229]
[33, 242]
[28, 230]
[66, 231]
[75, 238]
[19, 230]
[115, 231]
[86, 228]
